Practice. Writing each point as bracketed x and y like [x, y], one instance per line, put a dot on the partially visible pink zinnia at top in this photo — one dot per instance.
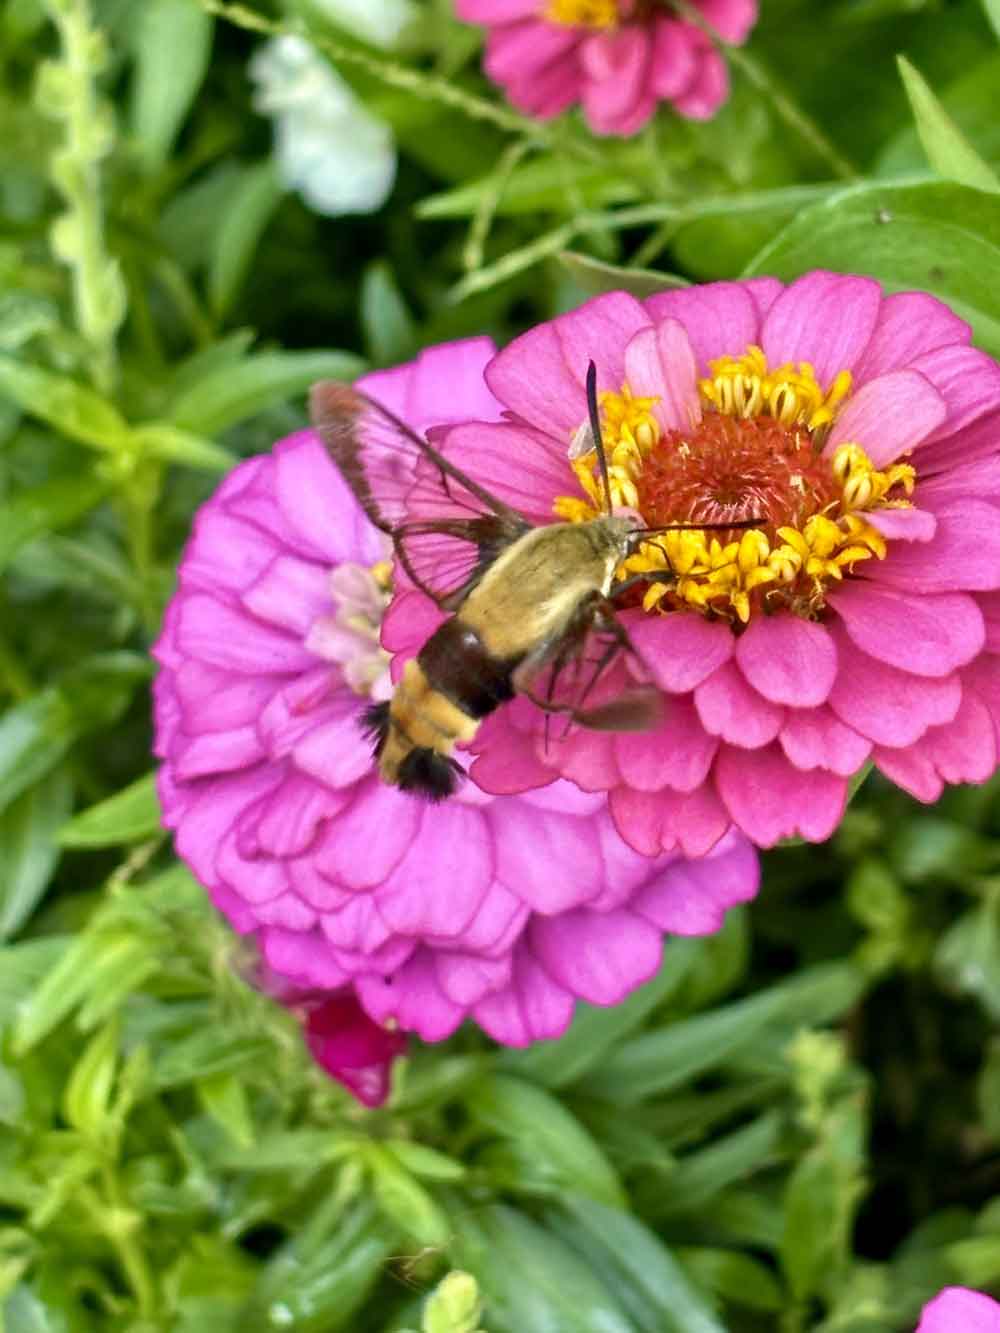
[858, 619]
[618, 58]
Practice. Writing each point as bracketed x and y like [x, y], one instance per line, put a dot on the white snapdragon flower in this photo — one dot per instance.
[329, 146]
[379, 22]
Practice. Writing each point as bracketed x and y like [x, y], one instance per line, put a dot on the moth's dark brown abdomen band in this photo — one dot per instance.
[457, 665]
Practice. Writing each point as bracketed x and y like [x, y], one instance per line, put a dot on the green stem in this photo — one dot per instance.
[764, 82]
[472, 255]
[78, 236]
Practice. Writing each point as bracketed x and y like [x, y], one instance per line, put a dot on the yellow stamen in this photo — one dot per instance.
[743, 386]
[583, 13]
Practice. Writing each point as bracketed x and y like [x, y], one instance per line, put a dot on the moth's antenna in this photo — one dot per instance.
[595, 430]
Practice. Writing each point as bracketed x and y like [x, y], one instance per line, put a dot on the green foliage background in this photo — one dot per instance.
[797, 1124]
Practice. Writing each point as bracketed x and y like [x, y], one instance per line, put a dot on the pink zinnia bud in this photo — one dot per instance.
[858, 620]
[958, 1310]
[503, 909]
[618, 58]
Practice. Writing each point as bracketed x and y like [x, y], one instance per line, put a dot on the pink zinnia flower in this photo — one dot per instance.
[503, 909]
[860, 621]
[619, 58]
[958, 1310]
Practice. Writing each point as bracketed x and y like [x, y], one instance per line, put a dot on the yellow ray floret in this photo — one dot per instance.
[583, 13]
[743, 386]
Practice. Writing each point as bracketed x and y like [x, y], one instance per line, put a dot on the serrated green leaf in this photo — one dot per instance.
[129, 816]
[76, 411]
[939, 238]
[172, 43]
[229, 394]
[28, 850]
[948, 151]
[250, 208]
[553, 1149]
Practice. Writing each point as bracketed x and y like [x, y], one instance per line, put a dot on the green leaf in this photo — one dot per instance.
[420, 1160]
[532, 1280]
[701, 1176]
[390, 333]
[948, 151]
[970, 101]
[34, 736]
[172, 42]
[159, 439]
[992, 9]
[735, 1277]
[28, 850]
[249, 209]
[595, 277]
[660, 1061]
[224, 1098]
[632, 1259]
[553, 1149]
[939, 238]
[454, 1306]
[214, 1051]
[22, 967]
[76, 411]
[45, 508]
[129, 816]
[87, 1096]
[230, 394]
[811, 1204]
[597, 1030]
[405, 1201]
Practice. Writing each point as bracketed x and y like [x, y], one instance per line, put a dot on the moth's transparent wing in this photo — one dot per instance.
[583, 675]
[445, 527]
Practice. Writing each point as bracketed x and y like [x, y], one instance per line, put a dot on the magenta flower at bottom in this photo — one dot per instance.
[618, 58]
[504, 909]
[958, 1310]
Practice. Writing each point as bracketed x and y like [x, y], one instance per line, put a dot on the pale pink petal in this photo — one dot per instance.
[321, 514]
[659, 363]
[614, 65]
[966, 378]
[958, 1310]
[553, 864]
[216, 752]
[542, 375]
[692, 897]
[531, 1008]
[306, 958]
[975, 443]
[721, 318]
[824, 320]
[495, 11]
[290, 594]
[225, 552]
[730, 708]
[600, 956]
[889, 706]
[334, 752]
[965, 553]
[522, 49]
[413, 999]
[455, 849]
[909, 324]
[814, 738]
[889, 416]
[526, 469]
[788, 660]
[928, 636]
[212, 632]
[466, 978]
[371, 836]
[770, 799]
[905, 525]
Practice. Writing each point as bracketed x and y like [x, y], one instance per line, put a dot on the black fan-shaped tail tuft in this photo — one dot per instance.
[429, 774]
[375, 724]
